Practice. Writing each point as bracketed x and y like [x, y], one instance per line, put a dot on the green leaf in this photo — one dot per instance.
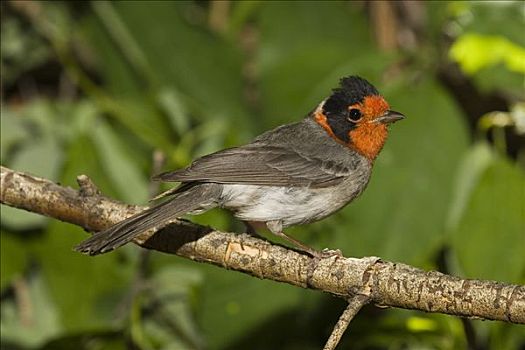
[242, 11]
[489, 239]
[107, 340]
[470, 51]
[12, 131]
[472, 167]
[88, 292]
[34, 322]
[13, 258]
[233, 305]
[230, 306]
[175, 108]
[82, 159]
[21, 49]
[117, 30]
[137, 114]
[126, 99]
[119, 165]
[503, 18]
[178, 62]
[169, 321]
[298, 71]
[41, 157]
[498, 23]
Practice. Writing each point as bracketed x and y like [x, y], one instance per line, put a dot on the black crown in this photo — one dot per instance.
[351, 90]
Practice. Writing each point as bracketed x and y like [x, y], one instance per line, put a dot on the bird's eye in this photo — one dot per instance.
[354, 115]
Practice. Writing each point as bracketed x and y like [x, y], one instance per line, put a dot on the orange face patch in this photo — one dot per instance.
[368, 138]
[365, 136]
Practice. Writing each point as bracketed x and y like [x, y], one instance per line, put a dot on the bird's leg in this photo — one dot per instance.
[276, 228]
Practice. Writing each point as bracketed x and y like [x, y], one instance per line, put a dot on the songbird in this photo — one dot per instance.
[294, 174]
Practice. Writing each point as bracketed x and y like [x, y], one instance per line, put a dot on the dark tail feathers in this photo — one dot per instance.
[195, 197]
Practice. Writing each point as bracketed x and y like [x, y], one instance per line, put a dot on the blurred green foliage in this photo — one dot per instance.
[471, 52]
[129, 78]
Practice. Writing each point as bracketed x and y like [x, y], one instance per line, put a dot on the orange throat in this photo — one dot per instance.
[368, 139]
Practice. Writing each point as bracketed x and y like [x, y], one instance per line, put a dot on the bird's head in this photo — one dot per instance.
[357, 116]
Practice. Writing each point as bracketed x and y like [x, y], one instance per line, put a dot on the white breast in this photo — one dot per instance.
[291, 206]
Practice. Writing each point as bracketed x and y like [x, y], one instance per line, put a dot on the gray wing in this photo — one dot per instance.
[260, 164]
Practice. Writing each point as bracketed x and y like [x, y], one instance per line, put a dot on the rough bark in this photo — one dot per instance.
[382, 282]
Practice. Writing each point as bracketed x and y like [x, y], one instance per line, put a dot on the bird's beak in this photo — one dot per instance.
[389, 117]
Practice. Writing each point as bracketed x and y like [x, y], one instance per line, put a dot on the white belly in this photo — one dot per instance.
[291, 206]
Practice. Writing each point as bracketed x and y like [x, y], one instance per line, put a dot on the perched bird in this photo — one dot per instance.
[294, 174]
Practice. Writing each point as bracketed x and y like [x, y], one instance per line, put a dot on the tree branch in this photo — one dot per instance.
[354, 305]
[382, 282]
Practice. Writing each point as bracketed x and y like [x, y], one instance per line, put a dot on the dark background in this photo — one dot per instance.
[98, 88]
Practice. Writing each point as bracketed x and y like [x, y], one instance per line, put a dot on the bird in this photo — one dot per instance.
[294, 174]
